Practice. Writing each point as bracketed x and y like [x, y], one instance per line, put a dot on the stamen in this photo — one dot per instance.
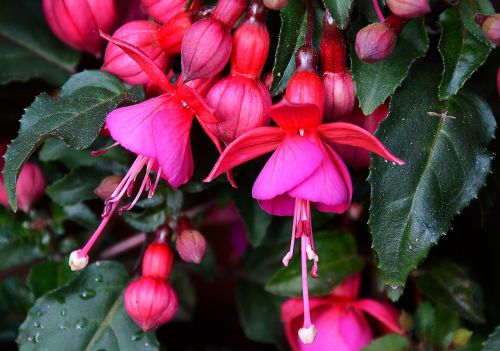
[103, 151]
[155, 185]
[289, 254]
[307, 333]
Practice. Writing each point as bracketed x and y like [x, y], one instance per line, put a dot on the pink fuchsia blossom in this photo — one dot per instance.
[354, 157]
[77, 22]
[157, 130]
[143, 35]
[163, 10]
[340, 319]
[304, 169]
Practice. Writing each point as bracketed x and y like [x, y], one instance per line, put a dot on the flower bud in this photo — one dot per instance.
[228, 11]
[355, 157]
[241, 104]
[491, 26]
[375, 42]
[150, 302]
[163, 10]
[171, 33]
[142, 34]
[107, 186]
[191, 246]
[77, 22]
[275, 4]
[305, 86]
[206, 48]
[30, 186]
[339, 94]
[409, 8]
[332, 46]
[157, 261]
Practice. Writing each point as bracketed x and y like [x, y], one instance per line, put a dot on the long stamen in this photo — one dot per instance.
[289, 254]
[103, 151]
[307, 333]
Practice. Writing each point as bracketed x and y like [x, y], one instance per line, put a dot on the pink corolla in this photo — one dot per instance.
[304, 169]
[157, 130]
[340, 319]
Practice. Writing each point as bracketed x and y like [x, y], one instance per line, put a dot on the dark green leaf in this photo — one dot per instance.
[447, 163]
[447, 284]
[18, 246]
[75, 117]
[57, 150]
[175, 200]
[146, 221]
[256, 220]
[15, 301]
[28, 49]
[390, 342]
[81, 214]
[49, 275]
[337, 261]
[469, 9]
[493, 342]
[76, 186]
[259, 312]
[185, 290]
[340, 10]
[375, 82]
[86, 314]
[462, 53]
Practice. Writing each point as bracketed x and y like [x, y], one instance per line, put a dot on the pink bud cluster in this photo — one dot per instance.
[150, 301]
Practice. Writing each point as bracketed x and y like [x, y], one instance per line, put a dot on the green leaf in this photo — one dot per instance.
[375, 82]
[259, 312]
[446, 165]
[291, 37]
[49, 275]
[340, 10]
[389, 342]
[447, 284]
[76, 186]
[469, 9]
[337, 261]
[462, 53]
[18, 246]
[28, 49]
[493, 342]
[186, 292]
[76, 117]
[81, 214]
[146, 221]
[86, 314]
[255, 219]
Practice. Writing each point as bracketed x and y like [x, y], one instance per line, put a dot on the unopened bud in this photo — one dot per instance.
[107, 186]
[275, 4]
[409, 8]
[191, 246]
[163, 10]
[157, 261]
[30, 186]
[171, 33]
[375, 42]
[491, 26]
[77, 262]
[339, 94]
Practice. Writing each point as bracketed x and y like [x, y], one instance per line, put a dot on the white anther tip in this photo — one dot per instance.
[307, 335]
[76, 262]
[286, 259]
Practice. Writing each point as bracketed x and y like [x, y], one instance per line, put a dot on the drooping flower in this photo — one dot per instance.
[340, 318]
[77, 22]
[157, 130]
[304, 169]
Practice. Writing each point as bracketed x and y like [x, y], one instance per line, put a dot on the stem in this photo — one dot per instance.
[378, 10]
[310, 23]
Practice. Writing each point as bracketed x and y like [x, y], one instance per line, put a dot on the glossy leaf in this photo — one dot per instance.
[493, 342]
[447, 284]
[28, 49]
[18, 245]
[86, 314]
[185, 290]
[469, 9]
[447, 163]
[75, 117]
[462, 53]
[340, 10]
[49, 275]
[146, 221]
[389, 342]
[375, 82]
[337, 260]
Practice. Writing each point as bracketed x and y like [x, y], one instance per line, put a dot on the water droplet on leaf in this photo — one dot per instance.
[87, 294]
[82, 323]
[137, 336]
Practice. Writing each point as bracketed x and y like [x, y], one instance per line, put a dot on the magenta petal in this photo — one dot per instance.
[329, 187]
[281, 205]
[348, 288]
[384, 313]
[293, 161]
[132, 126]
[173, 146]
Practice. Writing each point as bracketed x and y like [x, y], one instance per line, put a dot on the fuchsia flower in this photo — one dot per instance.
[304, 169]
[163, 10]
[340, 318]
[409, 8]
[157, 130]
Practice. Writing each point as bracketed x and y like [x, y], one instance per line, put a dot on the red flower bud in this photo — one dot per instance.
[339, 94]
[157, 261]
[30, 187]
[332, 47]
[228, 11]
[356, 157]
[375, 42]
[275, 4]
[142, 34]
[191, 246]
[107, 186]
[150, 302]
[163, 10]
[206, 48]
[305, 86]
[409, 8]
[241, 104]
[77, 22]
[171, 33]
[491, 27]
[251, 43]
